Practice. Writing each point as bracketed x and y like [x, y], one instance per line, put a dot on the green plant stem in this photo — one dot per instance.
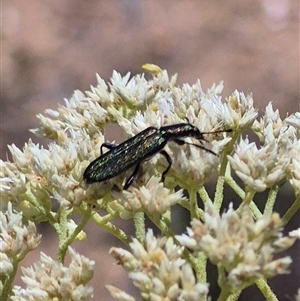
[256, 212]
[234, 186]
[241, 193]
[185, 204]
[204, 195]
[32, 200]
[224, 295]
[161, 225]
[225, 292]
[271, 199]
[266, 290]
[200, 267]
[166, 217]
[110, 216]
[247, 200]
[219, 194]
[249, 196]
[200, 270]
[111, 228]
[234, 296]
[7, 287]
[139, 224]
[63, 245]
[62, 231]
[291, 211]
[205, 199]
[193, 203]
[227, 151]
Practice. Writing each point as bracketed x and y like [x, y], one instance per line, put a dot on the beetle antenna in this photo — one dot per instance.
[216, 132]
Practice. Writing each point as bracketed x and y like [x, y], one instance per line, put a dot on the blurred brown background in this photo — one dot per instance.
[50, 48]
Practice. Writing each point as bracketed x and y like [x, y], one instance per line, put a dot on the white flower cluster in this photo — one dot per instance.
[53, 172]
[159, 271]
[16, 240]
[50, 280]
[276, 160]
[243, 247]
[135, 103]
[36, 179]
[152, 197]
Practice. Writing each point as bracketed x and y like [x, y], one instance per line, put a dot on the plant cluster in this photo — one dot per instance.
[46, 185]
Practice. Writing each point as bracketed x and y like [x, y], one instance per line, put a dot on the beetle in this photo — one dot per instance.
[139, 148]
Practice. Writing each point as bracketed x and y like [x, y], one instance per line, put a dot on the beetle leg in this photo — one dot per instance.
[109, 146]
[132, 177]
[168, 158]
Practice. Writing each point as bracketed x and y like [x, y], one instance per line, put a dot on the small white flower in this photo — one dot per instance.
[71, 226]
[158, 270]
[294, 120]
[125, 258]
[278, 266]
[152, 197]
[6, 266]
[50, 279]
[100, 93]
[134, 92]
[295, 234]
[244, 247]
[118, 294]
[16, 237]
[165, 103]
[270, 126]
[238, 111]
[259, 168]
[80, 265]
[294, 167]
